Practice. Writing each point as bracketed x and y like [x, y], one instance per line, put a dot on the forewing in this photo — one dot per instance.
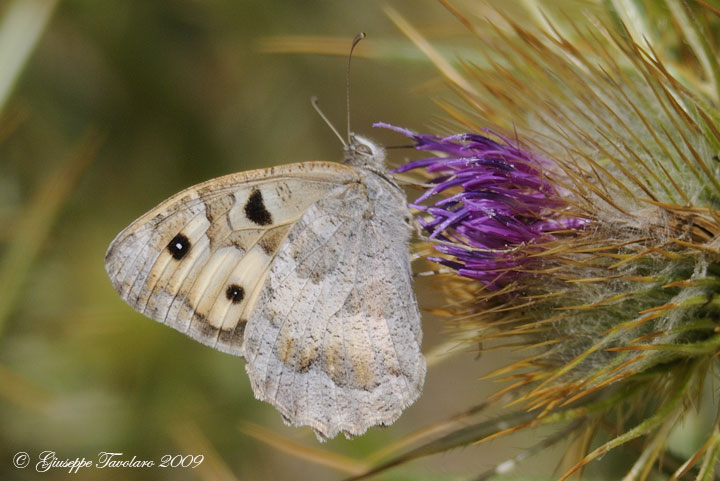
[334, 342]
[197, 262]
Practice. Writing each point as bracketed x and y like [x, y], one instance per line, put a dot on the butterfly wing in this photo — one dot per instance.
[197, 262]
[334, 342]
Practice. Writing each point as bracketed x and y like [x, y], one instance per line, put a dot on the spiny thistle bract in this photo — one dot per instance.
[589, 223]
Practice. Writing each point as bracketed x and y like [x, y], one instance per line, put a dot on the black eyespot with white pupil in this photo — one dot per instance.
[235, 293]
[179, 246]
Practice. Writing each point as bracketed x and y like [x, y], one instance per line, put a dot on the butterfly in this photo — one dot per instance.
[303, 270]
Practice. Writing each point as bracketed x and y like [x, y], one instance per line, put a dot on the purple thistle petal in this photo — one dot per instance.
[488, 200]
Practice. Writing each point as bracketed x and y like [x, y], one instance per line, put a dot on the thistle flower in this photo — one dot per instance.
[499, 201]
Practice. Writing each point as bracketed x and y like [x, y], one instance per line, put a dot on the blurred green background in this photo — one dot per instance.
[110, 107]
[119, 105]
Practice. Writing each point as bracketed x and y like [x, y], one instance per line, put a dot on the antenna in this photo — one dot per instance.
[314, 102]
[314, 99]
[356, 40]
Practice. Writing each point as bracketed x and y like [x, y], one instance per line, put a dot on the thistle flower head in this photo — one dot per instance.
[603, 224]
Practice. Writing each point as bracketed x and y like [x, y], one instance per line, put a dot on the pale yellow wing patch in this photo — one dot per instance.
[197, 261]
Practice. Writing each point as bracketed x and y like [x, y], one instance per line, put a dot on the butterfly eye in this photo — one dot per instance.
[364, 149]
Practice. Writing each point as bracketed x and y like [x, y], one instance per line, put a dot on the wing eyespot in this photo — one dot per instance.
[235, 293]
[179, 246]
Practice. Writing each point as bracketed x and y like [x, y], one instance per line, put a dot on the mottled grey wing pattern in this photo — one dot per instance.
[334, 342]
[198, 261]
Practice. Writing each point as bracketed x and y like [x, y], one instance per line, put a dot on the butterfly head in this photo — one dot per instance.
[362, 152]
